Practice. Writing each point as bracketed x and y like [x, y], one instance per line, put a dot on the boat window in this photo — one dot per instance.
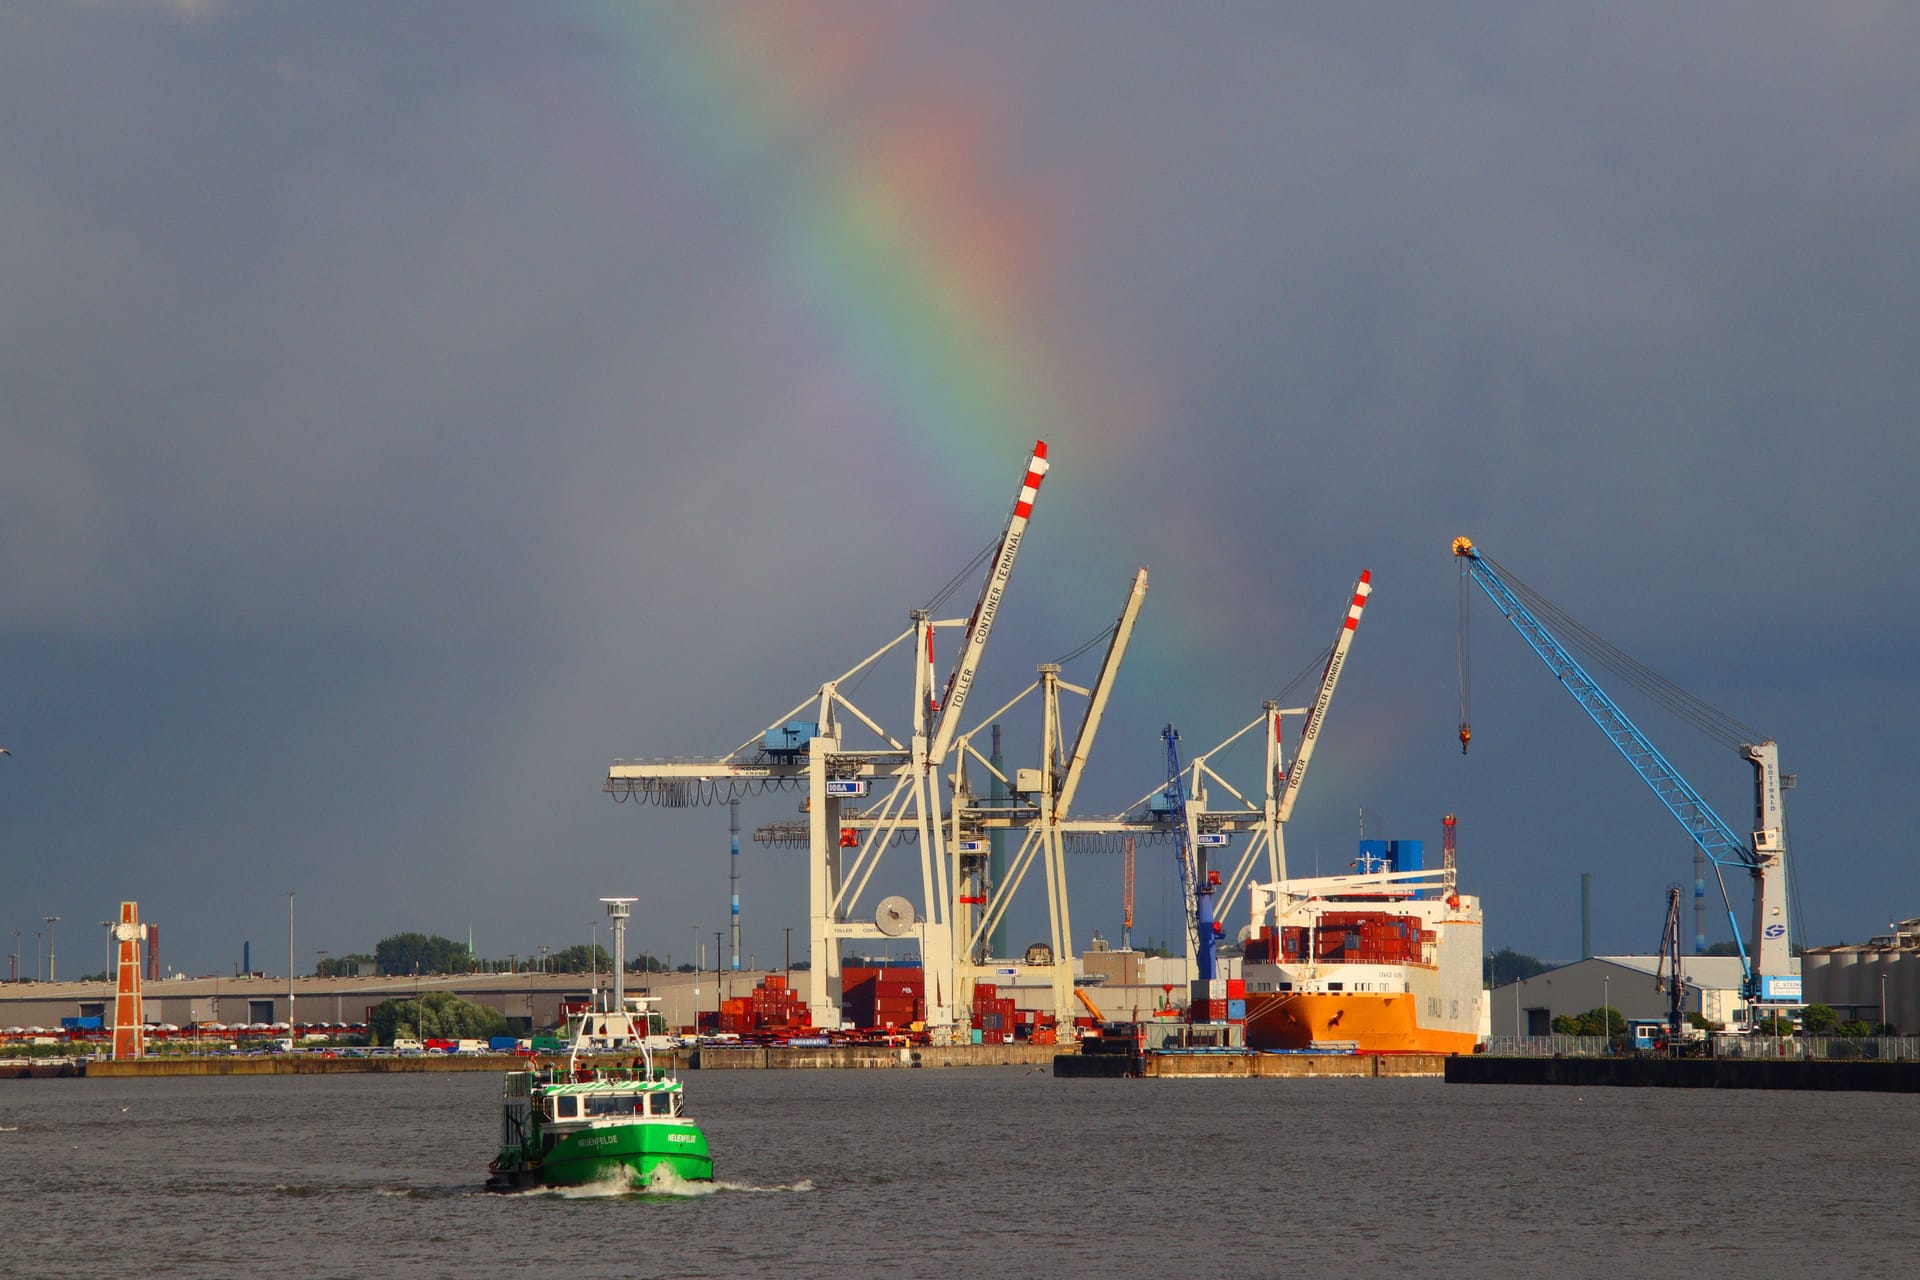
[568, 1106]
[1336, 986]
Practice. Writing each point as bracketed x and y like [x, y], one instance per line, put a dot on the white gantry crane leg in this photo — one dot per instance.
[823, 887]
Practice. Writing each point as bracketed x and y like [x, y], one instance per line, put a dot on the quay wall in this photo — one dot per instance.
[1689, 1073]
[1250, 1066]
[729, 1058]
[789, 1057]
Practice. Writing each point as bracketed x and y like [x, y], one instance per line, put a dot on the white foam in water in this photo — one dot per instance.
[604, 1188]
[663, 1181]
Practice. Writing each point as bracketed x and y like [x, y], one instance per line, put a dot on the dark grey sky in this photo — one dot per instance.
[410, 409]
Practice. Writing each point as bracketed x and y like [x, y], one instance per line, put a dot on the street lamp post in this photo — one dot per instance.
[51, 922]
[1883, 1004]
[1606, 1011]
[36, 955]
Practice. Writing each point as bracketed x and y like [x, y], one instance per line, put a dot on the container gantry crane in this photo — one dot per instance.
[1041, 809]
[1766, 956]
[814, 756]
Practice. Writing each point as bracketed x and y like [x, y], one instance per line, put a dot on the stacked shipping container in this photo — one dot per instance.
[883, 999]
[773, 1008]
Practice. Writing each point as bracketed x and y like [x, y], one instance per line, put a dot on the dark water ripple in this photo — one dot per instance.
[995, 1172]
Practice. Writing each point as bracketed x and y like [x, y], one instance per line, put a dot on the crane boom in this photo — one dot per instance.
[1310, 734]
[1766, 956]
[980, 624]
[1102, 690]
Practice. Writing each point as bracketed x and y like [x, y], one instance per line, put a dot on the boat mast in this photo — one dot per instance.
[618, 909]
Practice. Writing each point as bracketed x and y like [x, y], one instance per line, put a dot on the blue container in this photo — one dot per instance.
[1236, 1011]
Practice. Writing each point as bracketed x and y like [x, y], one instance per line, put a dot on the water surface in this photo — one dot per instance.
[998, 1172]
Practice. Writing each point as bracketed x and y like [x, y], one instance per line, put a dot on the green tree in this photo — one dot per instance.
[1853, 1028]
[1818, 1019]
[1594, 1022]
[1507, 965]
[646, 962]
[1777, 1025]
[580, 958]
[406, 953]
[436, 1014]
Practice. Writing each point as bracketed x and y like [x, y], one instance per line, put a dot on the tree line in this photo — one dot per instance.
[420, 953]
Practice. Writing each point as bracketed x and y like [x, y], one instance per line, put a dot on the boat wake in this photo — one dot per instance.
[662, 1183]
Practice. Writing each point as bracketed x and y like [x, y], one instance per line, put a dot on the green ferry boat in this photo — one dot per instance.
[585, 1122]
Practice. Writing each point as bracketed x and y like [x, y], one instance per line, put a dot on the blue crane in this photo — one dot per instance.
[1765, 956]
[1196, 889]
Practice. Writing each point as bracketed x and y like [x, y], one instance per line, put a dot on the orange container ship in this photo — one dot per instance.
[1381, 961]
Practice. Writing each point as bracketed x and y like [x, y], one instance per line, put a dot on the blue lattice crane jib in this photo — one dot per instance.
[1765, 959]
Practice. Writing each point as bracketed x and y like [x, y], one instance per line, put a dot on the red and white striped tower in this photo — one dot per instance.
[129, 1020]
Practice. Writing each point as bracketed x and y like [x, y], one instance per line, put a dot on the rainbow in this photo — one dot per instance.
[881, 202]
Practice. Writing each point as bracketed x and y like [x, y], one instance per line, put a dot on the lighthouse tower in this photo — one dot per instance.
[129, 1021]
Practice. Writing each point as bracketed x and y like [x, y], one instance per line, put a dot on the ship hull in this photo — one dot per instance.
[1368, 1023]
[610, 1153]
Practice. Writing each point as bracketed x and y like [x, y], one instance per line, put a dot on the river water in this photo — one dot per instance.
[1000, 1172]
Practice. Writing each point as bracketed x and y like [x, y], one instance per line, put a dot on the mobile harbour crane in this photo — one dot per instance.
[1766, 956]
